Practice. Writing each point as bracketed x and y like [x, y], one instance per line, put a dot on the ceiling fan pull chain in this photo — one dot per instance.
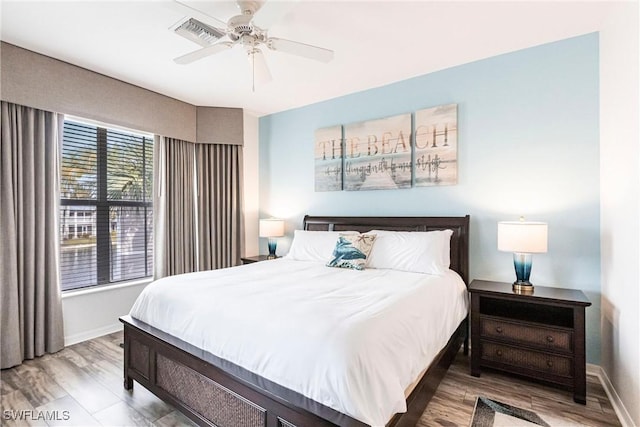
[253, 71]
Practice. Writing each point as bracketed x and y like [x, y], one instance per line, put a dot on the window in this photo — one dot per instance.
[105, 205]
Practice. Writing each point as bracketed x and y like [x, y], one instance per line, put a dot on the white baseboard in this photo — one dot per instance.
[614, 398]
[94, 333]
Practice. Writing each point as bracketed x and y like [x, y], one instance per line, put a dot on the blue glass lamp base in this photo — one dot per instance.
[272, 248]
[522, 264]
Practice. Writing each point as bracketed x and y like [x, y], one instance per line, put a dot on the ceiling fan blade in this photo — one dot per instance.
[300, 49]
[259, 68]
[201, 53]
[271, 12]
[192, 12]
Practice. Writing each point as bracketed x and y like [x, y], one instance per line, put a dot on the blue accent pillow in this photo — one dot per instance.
[352, 250]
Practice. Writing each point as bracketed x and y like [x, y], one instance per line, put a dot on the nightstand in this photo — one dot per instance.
[252, 259]
[539, 335]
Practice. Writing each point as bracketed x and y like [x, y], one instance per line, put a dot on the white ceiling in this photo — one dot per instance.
[375, 43]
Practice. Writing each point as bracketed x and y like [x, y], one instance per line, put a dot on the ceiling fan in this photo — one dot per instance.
[248, 29]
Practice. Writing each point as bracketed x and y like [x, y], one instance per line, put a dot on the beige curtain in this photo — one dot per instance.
[219, 205]
[30, 303]
[174, 212]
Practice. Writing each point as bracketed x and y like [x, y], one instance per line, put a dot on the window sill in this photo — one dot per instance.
[105, 288]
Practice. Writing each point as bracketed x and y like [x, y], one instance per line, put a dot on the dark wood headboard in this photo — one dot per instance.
[458, 224]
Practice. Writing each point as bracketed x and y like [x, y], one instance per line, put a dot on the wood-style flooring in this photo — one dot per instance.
[453, 403]
[85, 380]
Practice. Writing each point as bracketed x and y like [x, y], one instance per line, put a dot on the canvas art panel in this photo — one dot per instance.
[328, 159]
[377, 154]
[436, 146]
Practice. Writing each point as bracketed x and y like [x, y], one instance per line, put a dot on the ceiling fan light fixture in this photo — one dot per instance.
[199, 33]
[241, 30]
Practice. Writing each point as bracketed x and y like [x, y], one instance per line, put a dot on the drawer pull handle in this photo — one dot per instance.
[549, 338]
[549, 363]
[499, 329]
[499, 353]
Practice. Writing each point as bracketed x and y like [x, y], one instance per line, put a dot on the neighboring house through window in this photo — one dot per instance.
[105, 205]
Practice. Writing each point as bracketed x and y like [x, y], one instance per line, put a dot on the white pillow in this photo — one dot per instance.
[314, 245]
[414, 251]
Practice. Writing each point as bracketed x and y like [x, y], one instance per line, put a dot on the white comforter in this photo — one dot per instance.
[351, 340]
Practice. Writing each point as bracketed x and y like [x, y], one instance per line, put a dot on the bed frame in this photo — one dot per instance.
[215, 392]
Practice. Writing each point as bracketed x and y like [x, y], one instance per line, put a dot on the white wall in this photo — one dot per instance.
[251, 155]
[619, 203]
[94, 312]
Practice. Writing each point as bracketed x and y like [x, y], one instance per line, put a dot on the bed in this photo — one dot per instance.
[211, 390]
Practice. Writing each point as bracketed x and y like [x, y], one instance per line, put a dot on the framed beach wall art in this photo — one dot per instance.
[436, 146]
[377, 154]
[328, 159]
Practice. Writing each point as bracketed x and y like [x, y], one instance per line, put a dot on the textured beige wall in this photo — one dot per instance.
[38, 81]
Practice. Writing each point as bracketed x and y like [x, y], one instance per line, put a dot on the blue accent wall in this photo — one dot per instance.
[528, 138]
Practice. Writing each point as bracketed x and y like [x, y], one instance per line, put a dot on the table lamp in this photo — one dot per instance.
[523, 238]
[272, 228]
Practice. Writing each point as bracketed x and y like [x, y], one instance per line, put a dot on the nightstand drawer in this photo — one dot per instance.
[532, 360]
[542, 337]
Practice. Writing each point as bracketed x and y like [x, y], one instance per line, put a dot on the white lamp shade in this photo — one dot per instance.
[271, 227]
[521, 236]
